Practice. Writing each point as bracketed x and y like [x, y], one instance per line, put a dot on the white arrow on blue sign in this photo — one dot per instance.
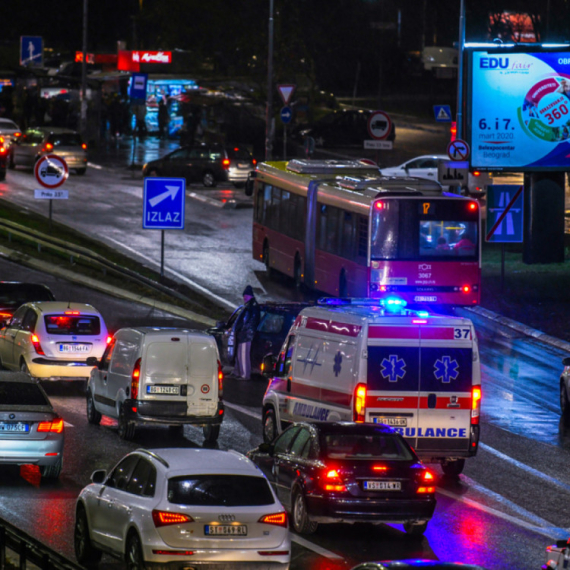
[164, 203]
[286, 114]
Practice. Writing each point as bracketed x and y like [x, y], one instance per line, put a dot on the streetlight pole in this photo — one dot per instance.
[83, 114]
[460, 70]
[269, 110]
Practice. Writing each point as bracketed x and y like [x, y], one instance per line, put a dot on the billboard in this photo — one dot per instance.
[518, 114]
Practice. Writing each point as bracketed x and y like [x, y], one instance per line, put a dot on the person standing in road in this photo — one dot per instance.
[245, 331]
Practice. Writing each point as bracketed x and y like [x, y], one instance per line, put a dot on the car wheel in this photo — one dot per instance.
[300, 516]
[269, 425]
[93, 416]
[24, 367]
[87, 555]
[51, 472]
[564, 403]
[415, 529]
[134, 555]
[211, 433]
[126, 428]
[208, 179]
[453, 468]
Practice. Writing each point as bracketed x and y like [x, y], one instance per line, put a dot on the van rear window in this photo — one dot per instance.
[357, 446]
[219, 491]
[88, 325]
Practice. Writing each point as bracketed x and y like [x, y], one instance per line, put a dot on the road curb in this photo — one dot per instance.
[69, 275]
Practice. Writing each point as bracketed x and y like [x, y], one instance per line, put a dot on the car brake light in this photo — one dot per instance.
[453, 130]
[476, 173]
[466, 289]
[379, 468]
[84, 146]
[379, 205]
[71, 313]
[165, 518]
[220, 380]
[174, 552]
[37, 346]
[17, 134]
[359, 403]
[2, 149]
[225, 163]
[332, 482]
[475, 405]
[473, 205]
[135, 378]
[254, 162]
[55, 426]
[426, 489]
[48, 146]
[427, 476]
[277, 519]
[109, 339]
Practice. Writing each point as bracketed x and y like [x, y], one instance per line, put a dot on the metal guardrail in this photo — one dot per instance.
[81, 254]
[29, 551]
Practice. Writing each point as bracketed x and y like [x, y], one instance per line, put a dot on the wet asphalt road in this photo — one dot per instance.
[510, 502]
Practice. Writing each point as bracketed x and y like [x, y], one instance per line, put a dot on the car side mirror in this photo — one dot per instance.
[98, 476]
[266, 448]
[566, 361]
[268, 365]
[92, 361]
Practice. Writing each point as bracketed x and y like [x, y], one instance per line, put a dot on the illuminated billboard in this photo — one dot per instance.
[518, 112]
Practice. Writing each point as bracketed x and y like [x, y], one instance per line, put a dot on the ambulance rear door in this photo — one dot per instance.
[446, 378]
[393, 377]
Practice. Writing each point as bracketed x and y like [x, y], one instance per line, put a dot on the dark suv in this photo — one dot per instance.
[206, 163]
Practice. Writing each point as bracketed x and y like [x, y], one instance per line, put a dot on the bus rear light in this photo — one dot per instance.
[475, 405]
[277, 519]
[36, 343]
[166, 518]
[135, 379]
[466, 289]
[379, 205]
[359, 411]
[473, 205]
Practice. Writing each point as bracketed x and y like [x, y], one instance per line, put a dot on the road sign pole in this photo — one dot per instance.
[161, 254]
[50, 212]
[285, 142]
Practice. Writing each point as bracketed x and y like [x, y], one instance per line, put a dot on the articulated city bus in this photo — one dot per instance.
[338, 227]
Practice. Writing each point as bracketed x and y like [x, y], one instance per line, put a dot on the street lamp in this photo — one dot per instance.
[269, 110]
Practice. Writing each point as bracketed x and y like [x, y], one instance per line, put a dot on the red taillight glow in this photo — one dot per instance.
[36, 343]
[49, 146]
[174, 552]
[84, 146]
[165, 518]
[17, 134]
[56, 426]
[273, 552]
[135, 378]
[426, 489]
[473, 205]
[225, 163]
[475, 405]
[220, 380]
[109, 339]
[428, 476]
[379, 468]
[71, 313]
[379, 205]
[359, 403]
[466, 289]
[332, 482]
[453, 130]
[476, 173]
[254, 161]
[277, 519]
[2, 149]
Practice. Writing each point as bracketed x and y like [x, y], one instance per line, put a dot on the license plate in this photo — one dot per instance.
[157, 389]
[74, 348]
[399, 422]
[225, 530]
[382, 486]
[19, 427]
[244, 165]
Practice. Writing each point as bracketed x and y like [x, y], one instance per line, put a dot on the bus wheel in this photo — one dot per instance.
[297, 273]
[342, 285]
[453, 468]
[266, 260]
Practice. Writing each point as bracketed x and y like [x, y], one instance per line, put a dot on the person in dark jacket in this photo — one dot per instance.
[245, 331]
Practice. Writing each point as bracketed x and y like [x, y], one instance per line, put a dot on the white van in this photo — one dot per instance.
[158, 375]
[418, 373]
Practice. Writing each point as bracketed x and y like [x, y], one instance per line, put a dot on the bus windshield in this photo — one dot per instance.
[402, 230]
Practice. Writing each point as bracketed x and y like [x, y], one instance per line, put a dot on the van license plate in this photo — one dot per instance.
[398, 422]
[382, 486]
[74, 347]
[225, 529]
[158, 389]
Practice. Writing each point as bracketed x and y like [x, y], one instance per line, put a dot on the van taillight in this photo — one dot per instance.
[37, 346]
[220, 380]
[359, 411]
[475, 405]
[135, 378]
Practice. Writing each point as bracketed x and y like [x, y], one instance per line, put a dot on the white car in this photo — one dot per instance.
[425, 166]
[557, 556]
[52, 340]
[9, 130]
[182, 508]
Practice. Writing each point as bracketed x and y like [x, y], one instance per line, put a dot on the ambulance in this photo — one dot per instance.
[376, 361]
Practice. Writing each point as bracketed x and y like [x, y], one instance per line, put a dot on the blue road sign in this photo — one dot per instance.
[164, 201]
[286, 114]
[442, 113]
[31, 50]
[137, 87]
[504, 213]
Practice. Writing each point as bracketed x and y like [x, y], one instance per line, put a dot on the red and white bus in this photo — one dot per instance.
[337, 227]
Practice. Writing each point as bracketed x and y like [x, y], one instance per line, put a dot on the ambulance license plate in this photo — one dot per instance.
[382, 486]
[398, 422]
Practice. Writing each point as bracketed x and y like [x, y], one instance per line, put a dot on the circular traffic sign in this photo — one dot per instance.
[379, 125]
[286, 114]
[458, 150]
[51, 171]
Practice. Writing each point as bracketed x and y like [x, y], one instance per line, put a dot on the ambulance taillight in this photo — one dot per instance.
[475, 405]
[359, 411]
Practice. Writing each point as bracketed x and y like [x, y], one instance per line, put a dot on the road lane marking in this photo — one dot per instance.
[315, 548]
[243, 410]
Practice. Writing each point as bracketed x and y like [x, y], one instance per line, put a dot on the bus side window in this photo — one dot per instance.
[331, 244]
[266, 215]
[275, 207]
[362, 250]
[259, 214]
[322, 227]
[347, 225]
[285, 220]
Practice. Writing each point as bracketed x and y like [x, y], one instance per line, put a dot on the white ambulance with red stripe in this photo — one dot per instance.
[374, 361]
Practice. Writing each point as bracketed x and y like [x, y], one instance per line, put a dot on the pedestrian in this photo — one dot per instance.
[244, 332]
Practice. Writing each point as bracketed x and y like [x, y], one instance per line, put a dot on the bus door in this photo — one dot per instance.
[446, 378]
[311, 234]
[393, 383]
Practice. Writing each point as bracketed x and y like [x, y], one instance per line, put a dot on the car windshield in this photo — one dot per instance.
[21, 394]
[16, 294]
[6, 124]
[219, 491]
[238, 153]
[359, 446]
[72, 324]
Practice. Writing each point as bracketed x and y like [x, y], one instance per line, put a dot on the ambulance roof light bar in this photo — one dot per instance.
[317, 166]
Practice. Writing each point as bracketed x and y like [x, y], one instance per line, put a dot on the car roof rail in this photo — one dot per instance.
[154, 456]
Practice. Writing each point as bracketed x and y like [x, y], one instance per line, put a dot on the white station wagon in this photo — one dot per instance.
[52, 340]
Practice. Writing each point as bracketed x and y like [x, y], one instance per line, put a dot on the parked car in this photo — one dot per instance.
[341, 128]
[31, 432]
[51, 340]
[39, 141]
[9, 130]
[14, 294]
[425, 166]
[334, 472]
[206, 163]
[276, 320]
[161, 376]
[3, 158]
[565, 391]
[182, 508]
[557, 555]
[416, 563]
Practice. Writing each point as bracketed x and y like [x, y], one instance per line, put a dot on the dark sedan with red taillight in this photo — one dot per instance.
[348, 472]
